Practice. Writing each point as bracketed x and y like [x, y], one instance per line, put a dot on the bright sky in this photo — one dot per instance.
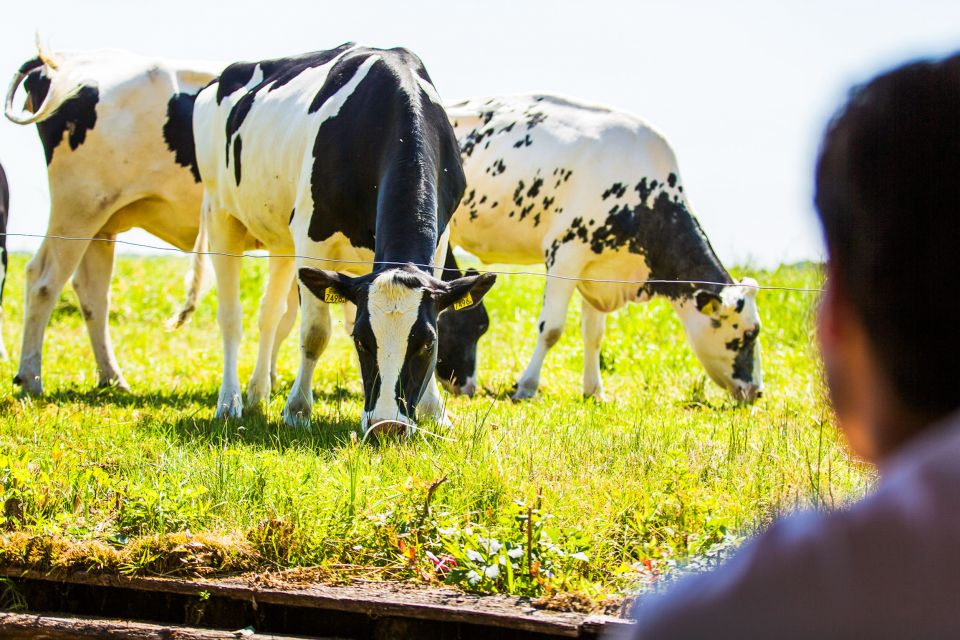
[742, 89]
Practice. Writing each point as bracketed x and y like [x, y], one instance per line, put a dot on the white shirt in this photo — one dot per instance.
[886, 567]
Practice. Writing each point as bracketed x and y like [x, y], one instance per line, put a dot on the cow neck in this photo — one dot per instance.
[692, 259]
[399, 242]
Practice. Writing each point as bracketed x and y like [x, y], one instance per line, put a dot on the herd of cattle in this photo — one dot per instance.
[347, 159]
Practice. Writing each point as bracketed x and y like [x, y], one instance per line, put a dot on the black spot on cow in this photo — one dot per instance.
[547, 202]
[75, 117]
[670, 239]
[345, 164]
[740, 304]
[733, 345]
[525, 142]
[526, 210]
[494, 205]
[534, 189]
[292, 213]
[178, 131]
[470, 196]
[617, 189]
[483, 199]
[644, 190]
[518, 193]
[508, 128]
[498, 167]
[237, 146]
[672, 180]
[743, 362]
[534, 118]
[542, 324]
[536, 219]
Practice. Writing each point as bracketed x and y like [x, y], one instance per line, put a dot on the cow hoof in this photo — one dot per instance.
[29, 385]
[596, 395]
[523, 392]
[117, 384]
[230, 408]
[296, 418]
[256, 399]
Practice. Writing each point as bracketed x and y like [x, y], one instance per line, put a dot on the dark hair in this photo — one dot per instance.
[888, 196]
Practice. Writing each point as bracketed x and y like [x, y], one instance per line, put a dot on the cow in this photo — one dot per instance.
[595, 193]
[459, 334]
[4, 208]
[117, 137]
[342, 157]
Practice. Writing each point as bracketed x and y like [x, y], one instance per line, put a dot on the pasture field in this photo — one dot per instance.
[557, 495]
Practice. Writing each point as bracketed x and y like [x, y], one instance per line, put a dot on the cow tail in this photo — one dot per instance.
[62, 88]
[195, 280]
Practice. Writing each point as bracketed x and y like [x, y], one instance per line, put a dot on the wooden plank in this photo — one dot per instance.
[22, 626]
[379, 600]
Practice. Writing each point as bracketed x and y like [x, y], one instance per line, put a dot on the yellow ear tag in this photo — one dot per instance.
[330, 296]
[463, 302]
[710, 308]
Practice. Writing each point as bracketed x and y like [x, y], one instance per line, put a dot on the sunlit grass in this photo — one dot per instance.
[570, 493]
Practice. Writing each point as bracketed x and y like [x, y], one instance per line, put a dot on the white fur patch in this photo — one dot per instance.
[393, 309]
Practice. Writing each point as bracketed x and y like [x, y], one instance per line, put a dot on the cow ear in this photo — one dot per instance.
[750, 287]
[464, 293]
[329, 286]
[708, 303]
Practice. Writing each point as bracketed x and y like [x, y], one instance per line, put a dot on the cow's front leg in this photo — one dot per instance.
[287, 321]
[272, 309]
[47, 273]
[592, 324]
[553, 315]
[314, 335]
[226, 237]
[91, 282]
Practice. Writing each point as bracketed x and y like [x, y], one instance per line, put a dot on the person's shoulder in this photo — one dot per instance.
[886, 564]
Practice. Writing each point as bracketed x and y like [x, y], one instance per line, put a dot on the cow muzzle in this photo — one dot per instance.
[382, 428]
[747, 393]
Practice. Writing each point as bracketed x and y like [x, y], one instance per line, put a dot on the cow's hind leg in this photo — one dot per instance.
[592, 324]
[92, 285]
[314, 335]
[226, 237]
[273, 306]
[283, 329]
[553, 315]
[46, 275]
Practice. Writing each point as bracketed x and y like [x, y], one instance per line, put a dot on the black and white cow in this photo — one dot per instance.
[339, 155]
[459, 334]
[4, 210]
[116, 131]
[596, 193]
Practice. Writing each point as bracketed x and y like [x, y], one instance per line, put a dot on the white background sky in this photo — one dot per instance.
[742, 89]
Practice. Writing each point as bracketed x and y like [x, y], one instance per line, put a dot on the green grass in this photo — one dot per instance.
[559, 494]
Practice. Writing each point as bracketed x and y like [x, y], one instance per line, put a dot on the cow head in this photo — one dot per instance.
[723, 328]
[460, 331]
[395, 333]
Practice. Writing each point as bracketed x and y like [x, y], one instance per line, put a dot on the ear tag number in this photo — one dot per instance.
[330, 296]
[463, 302]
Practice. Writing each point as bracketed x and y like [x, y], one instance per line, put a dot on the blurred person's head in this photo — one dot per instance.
[888, 196]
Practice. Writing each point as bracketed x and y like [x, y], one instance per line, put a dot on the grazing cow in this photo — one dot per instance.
[459, 335]
[4, 207]
[117, 137]
[595, 193]
[339, 155]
